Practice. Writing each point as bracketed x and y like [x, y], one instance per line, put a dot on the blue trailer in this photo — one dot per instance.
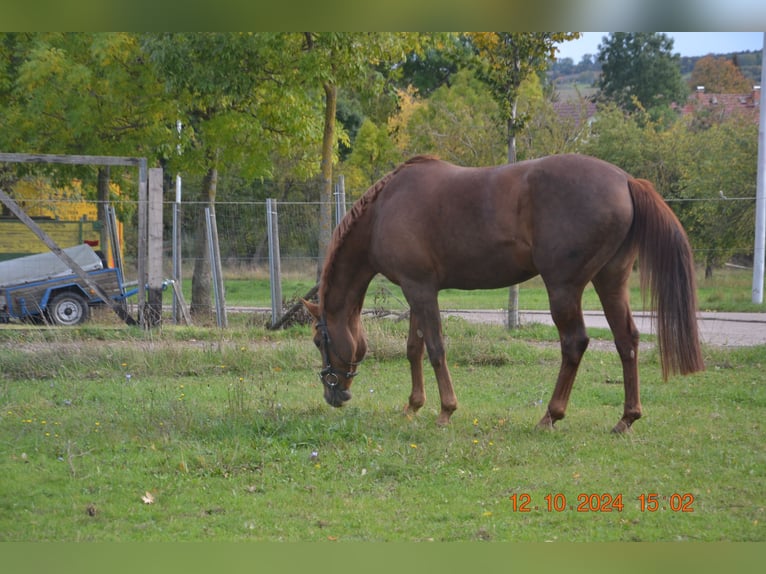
[41, 288]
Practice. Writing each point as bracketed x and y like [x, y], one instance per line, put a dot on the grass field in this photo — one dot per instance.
[190, 433]
[729, 290]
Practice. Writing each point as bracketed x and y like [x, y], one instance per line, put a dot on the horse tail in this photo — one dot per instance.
[666, 267]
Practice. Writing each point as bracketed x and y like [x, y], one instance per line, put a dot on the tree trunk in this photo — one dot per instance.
[325, 197]
[201, 307]
[513, 292]
[102, 198]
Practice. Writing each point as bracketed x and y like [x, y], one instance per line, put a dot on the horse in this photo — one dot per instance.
[572, 219]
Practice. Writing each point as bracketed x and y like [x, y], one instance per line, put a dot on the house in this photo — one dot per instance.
[724, 105]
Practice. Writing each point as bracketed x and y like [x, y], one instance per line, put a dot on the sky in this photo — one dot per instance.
[684, 43]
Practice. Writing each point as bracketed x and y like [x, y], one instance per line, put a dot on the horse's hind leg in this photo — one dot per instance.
[566, 310]
[612, 287]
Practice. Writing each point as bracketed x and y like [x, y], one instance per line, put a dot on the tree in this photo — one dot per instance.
[241, 100]
[80, 93]
[719, 176]
[436, 66]
[719, 75]
[640, 70]
[506, 59]
[707, 176]
[334, 59]
[374, 154]
[549, 132]
[457, 123]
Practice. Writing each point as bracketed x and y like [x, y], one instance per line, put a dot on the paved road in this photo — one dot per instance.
[720, 329]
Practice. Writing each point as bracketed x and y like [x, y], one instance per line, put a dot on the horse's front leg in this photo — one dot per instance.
[431, 333]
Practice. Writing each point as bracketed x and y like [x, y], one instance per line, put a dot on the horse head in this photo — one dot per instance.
[342, 348]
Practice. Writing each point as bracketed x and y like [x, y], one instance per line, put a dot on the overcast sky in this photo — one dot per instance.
[684, 43]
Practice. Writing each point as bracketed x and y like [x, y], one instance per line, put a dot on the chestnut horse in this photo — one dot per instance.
[430, 225]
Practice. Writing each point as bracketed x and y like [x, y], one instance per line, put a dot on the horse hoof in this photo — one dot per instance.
[409, 412]
[546, 423]
[621, 427]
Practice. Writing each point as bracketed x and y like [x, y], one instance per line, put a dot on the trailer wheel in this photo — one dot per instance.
[68, 309]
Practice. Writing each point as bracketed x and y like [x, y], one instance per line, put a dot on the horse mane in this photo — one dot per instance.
[356, 212]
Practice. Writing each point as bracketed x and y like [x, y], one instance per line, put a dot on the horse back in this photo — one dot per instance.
[495, 226]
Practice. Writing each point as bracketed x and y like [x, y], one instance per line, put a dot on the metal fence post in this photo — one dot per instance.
[340, 199]
[275, 270]
[177, 273]
[215, 267]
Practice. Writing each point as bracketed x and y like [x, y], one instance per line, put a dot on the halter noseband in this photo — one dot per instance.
[329, 375]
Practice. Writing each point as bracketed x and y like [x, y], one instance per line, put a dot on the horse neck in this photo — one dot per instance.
[343, 295]
[343, 289]
[341, 298]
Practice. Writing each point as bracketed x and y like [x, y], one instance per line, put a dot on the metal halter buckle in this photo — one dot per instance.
[328, 375]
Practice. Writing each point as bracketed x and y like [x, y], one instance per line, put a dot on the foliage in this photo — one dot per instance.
[333, 59]
[722, 170]
[639, 70]
[457, 123]
[548, 132]
[719, 75]
[434, 66]
[506, 59]
[243, 112]
[373, 155]
[708, 176]
[81, 93]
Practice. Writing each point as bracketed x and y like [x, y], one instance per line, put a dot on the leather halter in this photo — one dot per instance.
[329, 375]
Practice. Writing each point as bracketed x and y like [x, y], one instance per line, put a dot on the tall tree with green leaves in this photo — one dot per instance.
[506, 59]
[80, 94]
[241, 100]
[708, 176]
[334, 60]
[719, 177]
[640, 70]
[457, 123]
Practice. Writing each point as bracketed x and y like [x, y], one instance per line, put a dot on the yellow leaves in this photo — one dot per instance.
[147, 498]
[485, 41]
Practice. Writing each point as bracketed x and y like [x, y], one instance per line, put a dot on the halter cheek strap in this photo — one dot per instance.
[329, 375]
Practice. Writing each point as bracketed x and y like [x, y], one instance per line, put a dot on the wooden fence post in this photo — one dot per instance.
[154, 249]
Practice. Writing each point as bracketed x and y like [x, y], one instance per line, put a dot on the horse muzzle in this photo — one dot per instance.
[336, 396]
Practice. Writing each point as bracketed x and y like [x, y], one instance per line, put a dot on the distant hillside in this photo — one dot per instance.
[570, 78]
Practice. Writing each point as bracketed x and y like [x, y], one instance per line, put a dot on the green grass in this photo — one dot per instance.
[229, 435]
[729, 290]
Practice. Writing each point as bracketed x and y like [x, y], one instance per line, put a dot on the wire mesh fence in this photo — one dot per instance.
[244, 247]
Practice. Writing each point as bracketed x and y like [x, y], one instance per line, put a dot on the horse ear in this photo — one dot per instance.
[312, 308]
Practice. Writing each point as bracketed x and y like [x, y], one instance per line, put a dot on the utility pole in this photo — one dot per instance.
[760, 195]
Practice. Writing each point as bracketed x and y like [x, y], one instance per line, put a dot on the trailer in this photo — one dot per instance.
[41, 288]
